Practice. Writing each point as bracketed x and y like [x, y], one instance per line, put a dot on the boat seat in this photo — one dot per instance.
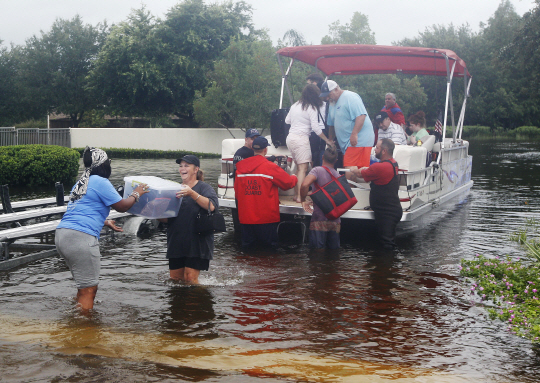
[410, 158]
[229, 146]
[428, 143]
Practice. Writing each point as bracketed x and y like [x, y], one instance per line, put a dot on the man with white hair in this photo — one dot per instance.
[349, 122]
[392, 108]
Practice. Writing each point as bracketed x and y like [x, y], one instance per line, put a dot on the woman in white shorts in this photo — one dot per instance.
[305, 116]
[77, 235]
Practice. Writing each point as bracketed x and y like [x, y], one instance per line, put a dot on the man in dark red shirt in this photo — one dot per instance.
[383, 197]
[392, 108]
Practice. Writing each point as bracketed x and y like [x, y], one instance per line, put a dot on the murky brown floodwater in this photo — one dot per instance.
[356, 315]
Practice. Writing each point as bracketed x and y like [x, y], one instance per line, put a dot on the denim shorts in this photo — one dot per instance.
[81, 253]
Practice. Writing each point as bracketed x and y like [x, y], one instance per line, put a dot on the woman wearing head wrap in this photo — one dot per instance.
[187, 251]
[77, 235]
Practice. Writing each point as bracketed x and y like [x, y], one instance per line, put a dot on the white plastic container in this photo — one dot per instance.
[159, 202]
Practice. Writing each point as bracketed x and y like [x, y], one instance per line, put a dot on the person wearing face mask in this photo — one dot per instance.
[188, 252]
[417, 124]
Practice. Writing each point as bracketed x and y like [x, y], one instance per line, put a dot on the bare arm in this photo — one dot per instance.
[125, 204]
[331, 133]
[310, 178]
[358, 125]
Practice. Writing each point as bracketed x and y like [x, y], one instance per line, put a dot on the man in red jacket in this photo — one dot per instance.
[256, 190]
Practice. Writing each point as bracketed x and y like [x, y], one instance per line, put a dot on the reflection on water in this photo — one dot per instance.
[356, 314]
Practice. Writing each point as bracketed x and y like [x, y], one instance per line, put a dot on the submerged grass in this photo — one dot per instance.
[514, 286]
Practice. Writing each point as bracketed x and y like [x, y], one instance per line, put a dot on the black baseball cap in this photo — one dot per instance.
[381, 116]
[190, 159]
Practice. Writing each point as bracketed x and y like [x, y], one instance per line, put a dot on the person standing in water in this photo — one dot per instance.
[77, 234]
[188, 252]
[384, 197]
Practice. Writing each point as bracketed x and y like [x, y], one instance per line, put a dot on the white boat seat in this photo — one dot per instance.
[410, 158]
[428, 143]
[229, 146]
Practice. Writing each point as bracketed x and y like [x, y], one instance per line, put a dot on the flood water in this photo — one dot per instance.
[356, 315]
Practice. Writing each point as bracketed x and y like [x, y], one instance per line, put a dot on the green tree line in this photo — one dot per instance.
[208, 63]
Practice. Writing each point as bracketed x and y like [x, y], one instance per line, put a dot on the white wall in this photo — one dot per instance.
[203, 140]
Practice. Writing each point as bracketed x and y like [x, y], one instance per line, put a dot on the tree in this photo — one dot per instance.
[11, 109]
[522, 58]
[357, 32]
[292, 38]
[55, 67]
[496, 89]
[244, 90]
[131, 73]
[154, 68]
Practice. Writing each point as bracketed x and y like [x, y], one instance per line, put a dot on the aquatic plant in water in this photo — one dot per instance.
[514, 286]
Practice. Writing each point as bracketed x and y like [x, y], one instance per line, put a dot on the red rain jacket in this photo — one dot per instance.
[256, 189]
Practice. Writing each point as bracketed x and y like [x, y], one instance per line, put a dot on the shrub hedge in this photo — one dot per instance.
[25, 165]
[148, 153]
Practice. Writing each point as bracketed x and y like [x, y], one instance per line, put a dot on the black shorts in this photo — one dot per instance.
[192, 263]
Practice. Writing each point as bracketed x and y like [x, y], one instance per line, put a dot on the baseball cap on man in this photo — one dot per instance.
[190, 159]
[252, 133]
[380, 117]
[327, 87]
[260, 143]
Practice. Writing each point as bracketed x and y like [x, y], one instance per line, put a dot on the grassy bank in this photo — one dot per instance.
[147, 153]
[520, 133]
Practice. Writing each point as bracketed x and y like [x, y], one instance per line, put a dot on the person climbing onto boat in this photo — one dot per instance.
[323, 233]
[77, 234]
[348, 120]
[392, 109]
[304, 116]
[317, 144]
[383, 197]
[417, 124]
[188, 252]
[256, 188]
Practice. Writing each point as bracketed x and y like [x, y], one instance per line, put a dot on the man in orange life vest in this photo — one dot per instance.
[256, 189]
[383, 197]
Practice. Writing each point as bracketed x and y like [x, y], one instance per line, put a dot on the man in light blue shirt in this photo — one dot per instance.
[349, 122]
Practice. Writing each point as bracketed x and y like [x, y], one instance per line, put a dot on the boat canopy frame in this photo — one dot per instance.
[356, 59]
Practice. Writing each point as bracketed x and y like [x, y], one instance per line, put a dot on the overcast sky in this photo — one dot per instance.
[390, 20]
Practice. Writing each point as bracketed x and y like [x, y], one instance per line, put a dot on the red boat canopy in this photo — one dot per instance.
[349, 59]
